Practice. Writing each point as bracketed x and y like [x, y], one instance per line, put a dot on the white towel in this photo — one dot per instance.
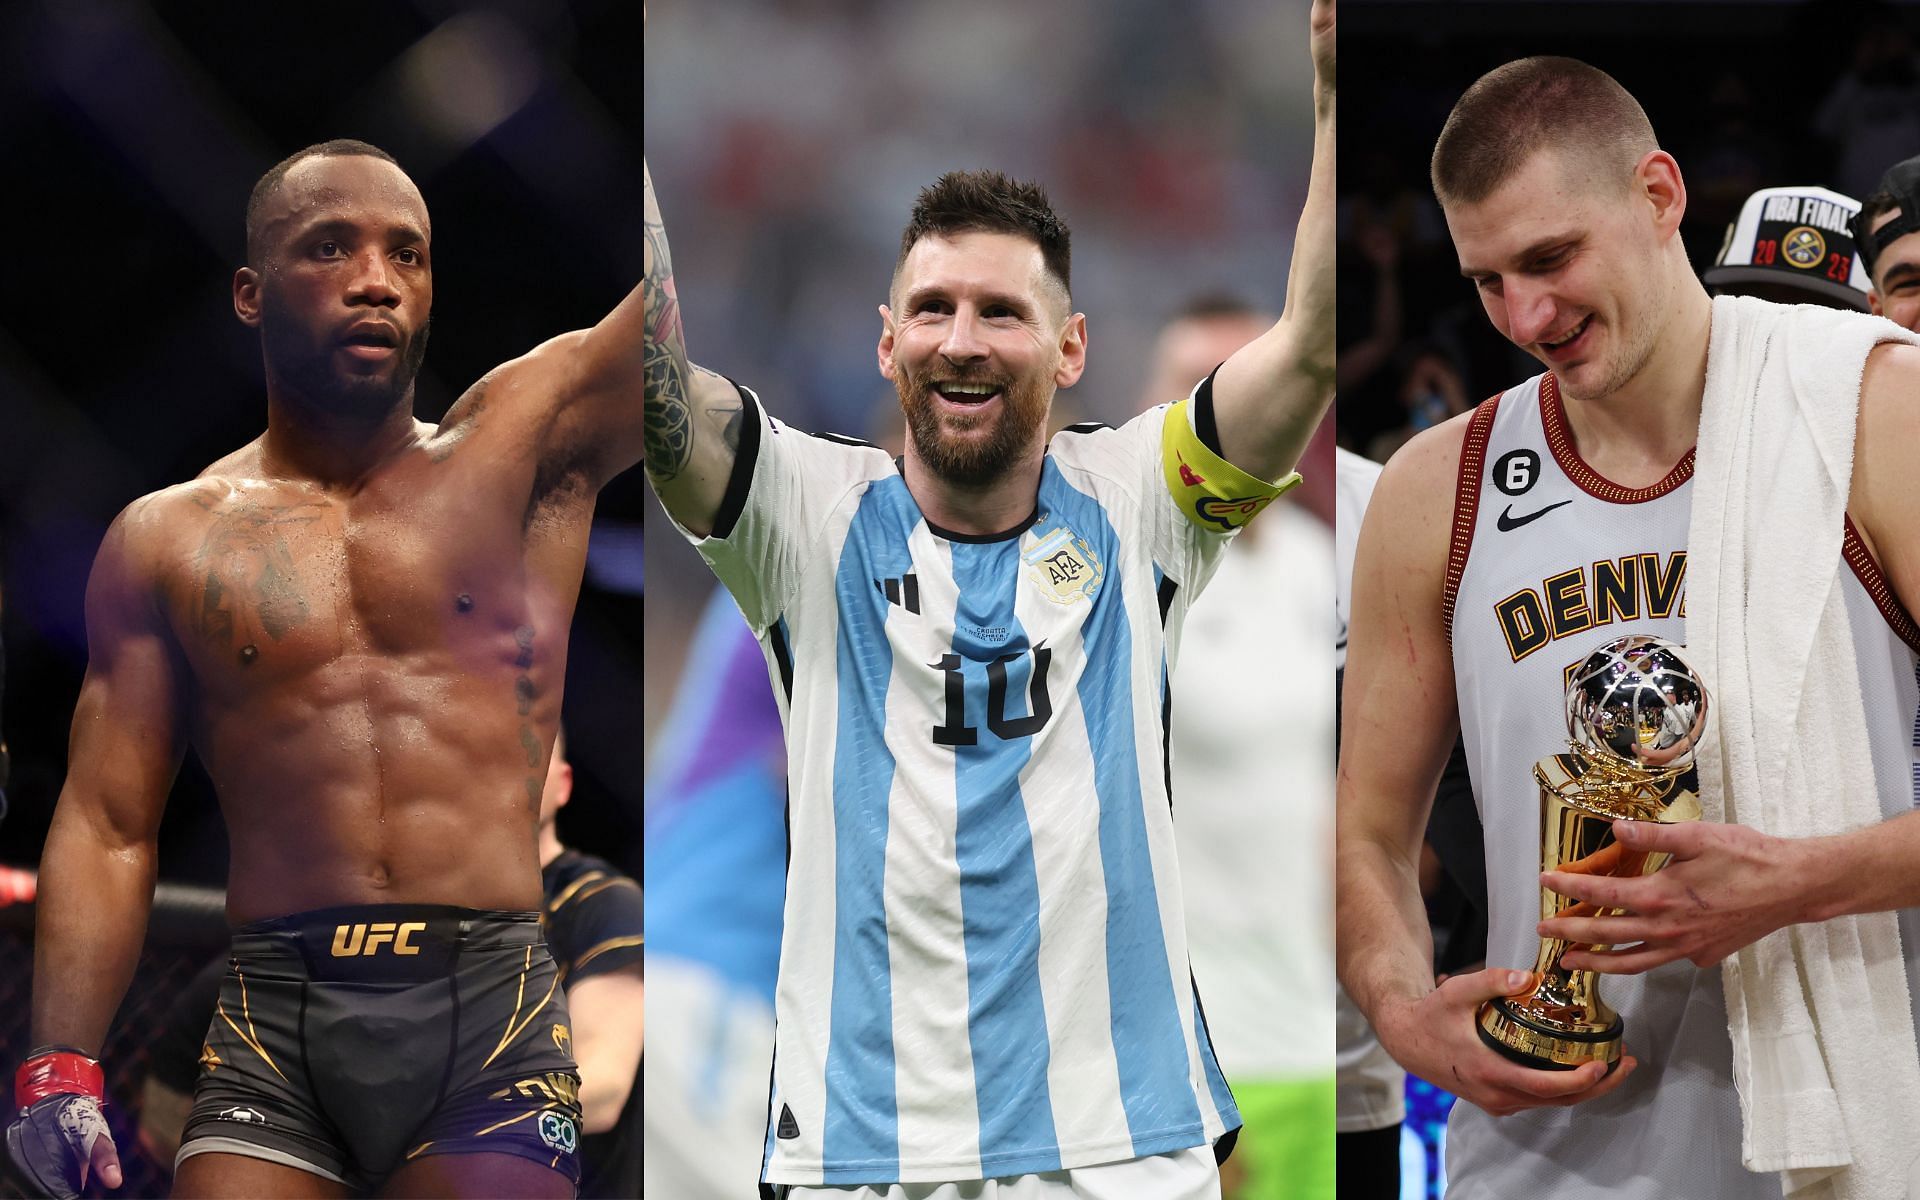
[1823, 1042]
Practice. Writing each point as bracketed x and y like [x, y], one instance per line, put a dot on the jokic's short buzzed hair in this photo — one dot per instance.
[1529, 105]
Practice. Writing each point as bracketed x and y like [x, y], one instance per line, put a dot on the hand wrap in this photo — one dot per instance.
[57, 1094]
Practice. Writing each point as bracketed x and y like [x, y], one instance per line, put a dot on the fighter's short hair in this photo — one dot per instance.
[270, 182]
[1533, 103]
[990, 202]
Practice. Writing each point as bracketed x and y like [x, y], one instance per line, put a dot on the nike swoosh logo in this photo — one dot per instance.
[1508, 521]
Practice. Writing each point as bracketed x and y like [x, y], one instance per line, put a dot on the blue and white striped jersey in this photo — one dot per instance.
[984, 970]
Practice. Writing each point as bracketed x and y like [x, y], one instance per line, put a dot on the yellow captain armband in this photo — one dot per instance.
[1216, 495]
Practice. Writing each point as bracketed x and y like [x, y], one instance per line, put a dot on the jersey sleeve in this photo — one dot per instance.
[596, 926]
[1196, 500]
[784, 485]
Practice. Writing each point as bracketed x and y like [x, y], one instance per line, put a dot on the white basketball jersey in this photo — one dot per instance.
[984, 969]
[1547, 561]
[1353, 480]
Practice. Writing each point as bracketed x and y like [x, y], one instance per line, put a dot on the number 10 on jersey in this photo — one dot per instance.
[955, 731]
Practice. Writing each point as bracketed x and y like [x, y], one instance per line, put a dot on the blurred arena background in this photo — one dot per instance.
[787, 140]
[1744, 93]
[132, 132]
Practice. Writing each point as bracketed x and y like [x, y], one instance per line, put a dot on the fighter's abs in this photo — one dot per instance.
[384, 669]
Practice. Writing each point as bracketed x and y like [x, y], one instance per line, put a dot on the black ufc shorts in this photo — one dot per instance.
[349, 1041]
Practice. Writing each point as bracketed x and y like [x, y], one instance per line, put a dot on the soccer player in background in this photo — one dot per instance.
[1259, 893]
[716, 858]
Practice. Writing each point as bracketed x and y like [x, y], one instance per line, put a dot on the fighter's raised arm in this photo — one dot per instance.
[572, 399]
[577, 393]
[1269, 397]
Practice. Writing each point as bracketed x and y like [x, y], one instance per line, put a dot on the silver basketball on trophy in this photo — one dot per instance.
[1637, 702]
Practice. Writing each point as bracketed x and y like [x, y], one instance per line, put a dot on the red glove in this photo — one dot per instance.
[59, 1136]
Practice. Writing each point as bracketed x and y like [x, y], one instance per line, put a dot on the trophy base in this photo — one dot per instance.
[1511, 1034]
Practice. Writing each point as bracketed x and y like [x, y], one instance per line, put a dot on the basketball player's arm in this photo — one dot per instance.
[1878, 868]
[605, 1010]
[1729, 886]
[1398, 726]
[1270, 395]
[98, 868]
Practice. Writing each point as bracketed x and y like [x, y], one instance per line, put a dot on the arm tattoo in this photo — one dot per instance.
[668, 415]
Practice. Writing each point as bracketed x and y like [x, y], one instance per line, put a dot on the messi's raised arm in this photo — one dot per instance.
[692, 415]
[1269, 397]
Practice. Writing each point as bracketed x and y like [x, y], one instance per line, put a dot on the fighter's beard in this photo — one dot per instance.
[316, 380]
[972, 462]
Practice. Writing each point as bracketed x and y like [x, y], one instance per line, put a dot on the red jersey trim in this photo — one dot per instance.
[1854, 549]
[1553, 416]
[1466, 505]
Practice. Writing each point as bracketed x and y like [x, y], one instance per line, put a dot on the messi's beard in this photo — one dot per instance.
[314, 378]
[972, 462]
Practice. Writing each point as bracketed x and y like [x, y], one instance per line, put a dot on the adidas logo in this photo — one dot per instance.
[788, 1127]
[904, 591]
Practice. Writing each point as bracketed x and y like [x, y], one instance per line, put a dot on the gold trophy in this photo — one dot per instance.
[1635, 713]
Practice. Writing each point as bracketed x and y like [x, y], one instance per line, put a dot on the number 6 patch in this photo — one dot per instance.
[1516, 472]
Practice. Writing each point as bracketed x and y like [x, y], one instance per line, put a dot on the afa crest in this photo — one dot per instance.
[1063, 565]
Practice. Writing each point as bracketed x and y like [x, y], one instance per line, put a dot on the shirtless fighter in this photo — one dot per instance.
[359, 622]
